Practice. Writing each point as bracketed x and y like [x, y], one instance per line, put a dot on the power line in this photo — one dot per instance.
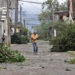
[33, 24]
[36, 20]
[33, 20]
[31, 2]
[30, 14]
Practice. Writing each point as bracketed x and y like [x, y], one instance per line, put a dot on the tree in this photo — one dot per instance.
[49, 3]
[46, 16]
[25, 31]
[65, 42]
[64, 6]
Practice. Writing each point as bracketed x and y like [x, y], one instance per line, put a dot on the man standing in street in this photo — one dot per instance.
[34, 38]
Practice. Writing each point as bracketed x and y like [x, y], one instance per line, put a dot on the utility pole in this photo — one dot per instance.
[52, 19]
[8, 23]
[11, 7]
[8, 12]
[21, 14]
[53, 12]
[71, 12]
[12, 15]
[24, 23]
[16, 12]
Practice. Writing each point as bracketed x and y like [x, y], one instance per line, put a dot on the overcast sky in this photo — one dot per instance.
[29, 7]
[43, 0]
[32, 10]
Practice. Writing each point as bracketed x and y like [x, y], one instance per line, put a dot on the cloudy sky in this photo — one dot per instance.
[31, 11]
[34, 8]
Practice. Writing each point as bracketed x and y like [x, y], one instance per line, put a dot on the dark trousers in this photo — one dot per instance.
[35, 47]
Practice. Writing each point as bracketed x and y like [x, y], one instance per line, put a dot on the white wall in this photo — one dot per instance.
[3, 26]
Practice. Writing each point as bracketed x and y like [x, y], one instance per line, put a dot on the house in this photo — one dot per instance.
[14, 17]
[67, 16]
[61, 15]
[16, 29]
[13, 6]
[3, 19]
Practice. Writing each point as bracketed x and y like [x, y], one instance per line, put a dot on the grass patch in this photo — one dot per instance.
[71, 61]
[66, 61]
[71, 53]
[3, 68]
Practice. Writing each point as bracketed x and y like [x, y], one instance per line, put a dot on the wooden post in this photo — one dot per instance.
[8, 43]
[16, 12]
[21, 14]
[71, 11]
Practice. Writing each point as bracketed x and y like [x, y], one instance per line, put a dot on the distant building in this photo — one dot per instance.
[61, 15]
[13, 6]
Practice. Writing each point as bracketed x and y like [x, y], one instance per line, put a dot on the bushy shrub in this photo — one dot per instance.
[24, 39]
[7, 55]
[65, 42]
[18, 39]
[24, 31]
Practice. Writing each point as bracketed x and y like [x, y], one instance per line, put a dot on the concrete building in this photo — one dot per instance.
[3, 19]
[61, 15]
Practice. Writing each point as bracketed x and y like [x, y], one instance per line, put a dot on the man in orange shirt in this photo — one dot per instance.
[34, 38]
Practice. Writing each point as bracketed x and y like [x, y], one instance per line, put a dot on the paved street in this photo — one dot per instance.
[45, 63]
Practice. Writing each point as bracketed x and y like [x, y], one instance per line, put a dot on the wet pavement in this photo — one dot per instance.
[44, 63]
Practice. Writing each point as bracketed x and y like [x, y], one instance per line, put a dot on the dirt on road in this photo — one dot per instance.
[44, 63]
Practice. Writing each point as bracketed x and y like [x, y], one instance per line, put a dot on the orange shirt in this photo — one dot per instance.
[34, 37]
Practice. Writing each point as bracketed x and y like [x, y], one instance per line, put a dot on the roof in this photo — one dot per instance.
[15, 26]
[62, 13]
